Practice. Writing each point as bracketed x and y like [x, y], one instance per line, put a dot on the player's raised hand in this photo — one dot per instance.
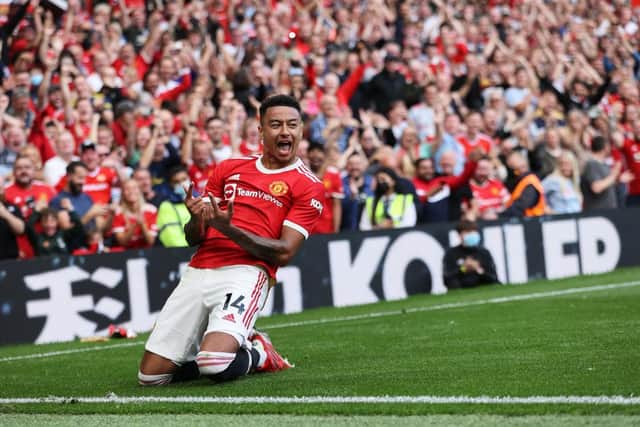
[220, 218]
[197, 206]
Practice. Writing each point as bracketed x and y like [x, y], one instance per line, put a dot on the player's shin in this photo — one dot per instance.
[220, 366]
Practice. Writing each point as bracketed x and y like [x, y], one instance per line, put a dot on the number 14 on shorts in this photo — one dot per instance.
[237, 303]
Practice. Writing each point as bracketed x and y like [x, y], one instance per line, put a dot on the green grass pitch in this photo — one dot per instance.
[562, 339]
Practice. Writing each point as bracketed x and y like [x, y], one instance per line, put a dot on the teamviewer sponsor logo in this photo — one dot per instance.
[230, 191]
[257, 194]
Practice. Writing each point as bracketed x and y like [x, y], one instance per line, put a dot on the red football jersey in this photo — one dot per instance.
[264, 201]
[631, 152]
[97, 185]
[247, 149]
[200, 176]
[25, 199]
[481, 140]
[332, 190]
[122, 219]
[492, 195]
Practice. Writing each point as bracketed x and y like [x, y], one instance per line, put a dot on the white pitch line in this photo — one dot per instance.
[72, 351]
[483, 400]
[497, 300]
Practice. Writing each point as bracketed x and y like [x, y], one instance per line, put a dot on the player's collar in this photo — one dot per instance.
[263, 169]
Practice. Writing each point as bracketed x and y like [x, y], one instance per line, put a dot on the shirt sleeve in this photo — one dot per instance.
[119, 223]
[337, 189]
[151, 219]
[214, 183]
[306, 210]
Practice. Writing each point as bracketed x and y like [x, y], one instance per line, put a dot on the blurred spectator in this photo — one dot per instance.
[57, 229]
[423, 113]
[55, 167]
[92, 215]
[562, 187]
[387, 208]
[329, 125]
[444, 197]
[197, 154]
[143, 177]
[26, 192]
[387, 86]
[13, 139]
[11, 225]
[468, 264]
[215, 130]
[100, 180]
[331, 217]
[135, 221]
[544, 156]
[173, 213]
[357, 187]
[631, 150]
[527, 193]
[599, 179]
[489, 193]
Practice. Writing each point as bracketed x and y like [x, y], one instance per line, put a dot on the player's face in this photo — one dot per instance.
[281, 129]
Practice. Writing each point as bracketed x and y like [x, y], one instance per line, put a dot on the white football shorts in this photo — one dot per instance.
[226, 299]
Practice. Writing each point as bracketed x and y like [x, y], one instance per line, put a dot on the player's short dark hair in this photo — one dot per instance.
[72, 166]
[598, 143]
[279, 100]
[466, 225]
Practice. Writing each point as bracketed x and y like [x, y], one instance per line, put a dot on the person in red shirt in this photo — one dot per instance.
[489, 193]
[256, 214]
[331, 217]
[202, 165]
[26, 193]
[250, 143]
[473, 138]
[100, 180]
[631, 151]
[134, 222]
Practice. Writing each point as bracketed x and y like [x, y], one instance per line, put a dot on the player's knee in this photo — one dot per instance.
[211, 363]
[154, 380]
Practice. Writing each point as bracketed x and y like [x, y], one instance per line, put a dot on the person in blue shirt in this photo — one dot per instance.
[93, 216]
[357, 187]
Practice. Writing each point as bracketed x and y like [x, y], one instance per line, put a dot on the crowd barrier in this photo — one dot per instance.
[61, 298]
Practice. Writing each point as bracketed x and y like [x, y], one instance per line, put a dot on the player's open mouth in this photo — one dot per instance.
[284, 147]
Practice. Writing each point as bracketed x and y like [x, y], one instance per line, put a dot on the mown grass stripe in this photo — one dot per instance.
[497, 300]
[482, 400]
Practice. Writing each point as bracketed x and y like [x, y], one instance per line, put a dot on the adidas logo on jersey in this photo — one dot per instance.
[229, 317]
[235, 177]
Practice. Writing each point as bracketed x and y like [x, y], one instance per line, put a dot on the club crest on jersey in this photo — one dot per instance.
[230, 191]
[278, 188]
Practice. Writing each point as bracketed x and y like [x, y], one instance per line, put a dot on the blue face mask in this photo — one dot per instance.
[179, 190]
[36, 79]
[471, 239]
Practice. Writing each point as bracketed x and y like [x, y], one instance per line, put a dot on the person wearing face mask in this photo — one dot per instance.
[468, 264]
[386, 208]
[173, 213]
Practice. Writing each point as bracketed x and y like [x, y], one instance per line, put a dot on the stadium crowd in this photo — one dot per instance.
[415, 111]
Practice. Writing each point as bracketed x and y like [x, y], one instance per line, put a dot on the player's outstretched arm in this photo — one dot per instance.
[274, 251]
